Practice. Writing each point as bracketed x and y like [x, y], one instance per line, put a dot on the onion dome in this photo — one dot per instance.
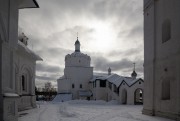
[77, 45]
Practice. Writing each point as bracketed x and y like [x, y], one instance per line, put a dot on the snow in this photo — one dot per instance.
[26, 49]
[11, 95]
[62, 97]
[82, 110]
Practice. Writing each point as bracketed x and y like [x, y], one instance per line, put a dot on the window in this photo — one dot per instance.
[102, 83]
[118, 90]
[139, 82]
[166, 30]
[23, 82]
[80, 86]
[73, 86]
[166, 90]
[95, 84]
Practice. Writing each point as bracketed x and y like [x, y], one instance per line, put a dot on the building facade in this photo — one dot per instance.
[126, 90]
[161, 58]
[9, 10]
[24, 74]
[81, 82]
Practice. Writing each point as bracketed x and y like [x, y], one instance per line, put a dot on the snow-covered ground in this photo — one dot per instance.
[81, 110]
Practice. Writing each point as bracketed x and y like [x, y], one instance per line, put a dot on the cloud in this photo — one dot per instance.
[125, 53]
[47, 68]
[52, 31]
[120, 66]
[45, 78]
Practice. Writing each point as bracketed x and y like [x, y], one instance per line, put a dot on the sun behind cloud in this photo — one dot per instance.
[103, 36]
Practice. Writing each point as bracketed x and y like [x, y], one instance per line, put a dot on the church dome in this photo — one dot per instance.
[77, 58]
[77, 42]
[134, 74]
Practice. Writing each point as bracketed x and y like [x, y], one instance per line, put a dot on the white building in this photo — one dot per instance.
[77, 73]
[17, 68]
[162, 58]
[80, 81]
[24, 74]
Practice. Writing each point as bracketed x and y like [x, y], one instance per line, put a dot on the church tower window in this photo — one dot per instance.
[166, 90]
[80, 86]
[73, 86]
[166, 30]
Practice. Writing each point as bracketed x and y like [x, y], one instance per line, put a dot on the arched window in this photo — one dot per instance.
[166, 90]
[166, 30]
[23, 81]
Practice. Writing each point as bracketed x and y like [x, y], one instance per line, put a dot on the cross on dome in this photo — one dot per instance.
[134, 74]
[134, 66]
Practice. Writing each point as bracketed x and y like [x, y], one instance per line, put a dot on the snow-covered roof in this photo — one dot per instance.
[130, 81]
[115, 79]
[23, 47]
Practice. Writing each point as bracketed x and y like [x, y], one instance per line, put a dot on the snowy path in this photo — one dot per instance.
[86, 111]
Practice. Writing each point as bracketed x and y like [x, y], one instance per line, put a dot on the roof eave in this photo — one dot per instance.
[28, 4]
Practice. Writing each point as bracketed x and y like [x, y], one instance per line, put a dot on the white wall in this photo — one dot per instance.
[64, 85]
[100, 93]
[75, 75]
[161, 59]
[8, 40]
[77, 60]
[24, 64]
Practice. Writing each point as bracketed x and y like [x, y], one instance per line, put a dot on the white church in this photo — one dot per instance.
[80, 82]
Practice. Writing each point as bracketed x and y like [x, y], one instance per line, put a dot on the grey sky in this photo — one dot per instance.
[110, 31]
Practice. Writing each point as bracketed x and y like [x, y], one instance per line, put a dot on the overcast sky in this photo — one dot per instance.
[110, 31]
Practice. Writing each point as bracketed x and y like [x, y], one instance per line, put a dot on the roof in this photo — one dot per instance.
[23, 47]
[116, 79]
[28, 4]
